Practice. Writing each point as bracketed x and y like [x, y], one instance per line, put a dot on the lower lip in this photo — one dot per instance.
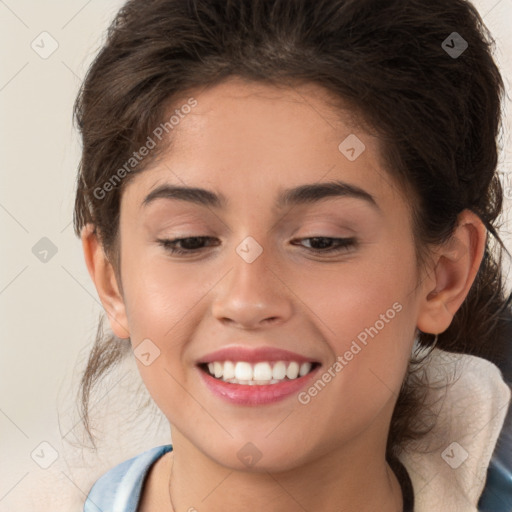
[245, 394]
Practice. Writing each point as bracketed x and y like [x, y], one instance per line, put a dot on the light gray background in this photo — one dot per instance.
[49, 310]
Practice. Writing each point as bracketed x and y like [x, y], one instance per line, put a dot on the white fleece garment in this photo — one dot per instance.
[448, 468]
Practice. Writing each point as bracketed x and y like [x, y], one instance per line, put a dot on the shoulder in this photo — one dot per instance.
[469, 399]
[120, 488]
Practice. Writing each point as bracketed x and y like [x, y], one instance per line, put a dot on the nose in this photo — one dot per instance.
[253, 294]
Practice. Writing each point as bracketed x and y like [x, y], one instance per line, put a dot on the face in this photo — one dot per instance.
[329, 276]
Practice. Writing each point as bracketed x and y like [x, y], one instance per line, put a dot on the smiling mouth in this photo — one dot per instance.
[261, 373]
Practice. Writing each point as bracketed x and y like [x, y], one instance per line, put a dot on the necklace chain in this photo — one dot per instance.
[169, 485]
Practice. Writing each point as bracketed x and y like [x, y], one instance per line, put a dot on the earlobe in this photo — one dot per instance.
[456, 266]
[103, 275]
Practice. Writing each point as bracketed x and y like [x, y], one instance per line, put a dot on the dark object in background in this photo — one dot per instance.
[497, 495]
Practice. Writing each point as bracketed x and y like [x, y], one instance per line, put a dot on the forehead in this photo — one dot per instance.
[250, 119]
[247, 139]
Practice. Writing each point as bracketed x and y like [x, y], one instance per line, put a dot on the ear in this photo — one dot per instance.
[456, 264]
[103, 275]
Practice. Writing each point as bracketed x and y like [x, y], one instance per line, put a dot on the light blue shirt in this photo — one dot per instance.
[119, 489]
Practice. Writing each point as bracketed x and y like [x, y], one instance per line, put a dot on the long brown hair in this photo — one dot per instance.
[394, 62]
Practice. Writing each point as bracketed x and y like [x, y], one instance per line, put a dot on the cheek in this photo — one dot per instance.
[352, 296]
[160, 302]
[366, 313]
[160, 294]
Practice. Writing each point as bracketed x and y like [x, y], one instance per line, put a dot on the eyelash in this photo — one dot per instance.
[344, 244]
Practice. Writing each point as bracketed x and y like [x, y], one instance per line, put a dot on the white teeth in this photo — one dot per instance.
[293, 370]
[279, 370]
[260, 373]
[229, 370]
[218, 369]
[305, 368]
[243, 371]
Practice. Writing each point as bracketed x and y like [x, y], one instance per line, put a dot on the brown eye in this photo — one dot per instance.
[325, 244]
[189, 245]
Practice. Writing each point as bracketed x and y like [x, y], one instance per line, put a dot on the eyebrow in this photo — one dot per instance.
[303, 194]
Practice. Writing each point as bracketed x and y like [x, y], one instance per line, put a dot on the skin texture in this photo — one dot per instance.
[249, 142]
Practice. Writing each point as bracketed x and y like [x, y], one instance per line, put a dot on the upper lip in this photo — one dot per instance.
[253, 355]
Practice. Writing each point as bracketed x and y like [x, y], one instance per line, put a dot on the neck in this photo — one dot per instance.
[334, 481]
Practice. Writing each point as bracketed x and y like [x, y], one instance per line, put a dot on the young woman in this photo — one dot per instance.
[284, 206]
